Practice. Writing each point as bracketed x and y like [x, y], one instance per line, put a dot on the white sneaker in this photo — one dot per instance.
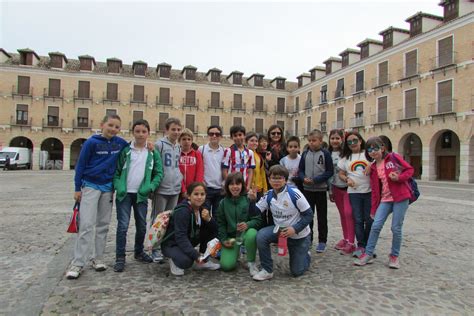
[209, 265]
[263, 275]
[73, 272]
[252, 268]
[174, 269]
[99, 265]
[157, 256]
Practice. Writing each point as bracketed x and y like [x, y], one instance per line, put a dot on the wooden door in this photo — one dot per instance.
[447, 168]
[415, 161]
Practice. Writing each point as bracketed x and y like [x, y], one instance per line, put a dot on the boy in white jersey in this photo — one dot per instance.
[292, 214]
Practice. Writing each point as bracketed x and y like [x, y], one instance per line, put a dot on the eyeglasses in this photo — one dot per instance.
[275, 133]
[372, 149]
[354, 141]
[277, 178]
[214, 134]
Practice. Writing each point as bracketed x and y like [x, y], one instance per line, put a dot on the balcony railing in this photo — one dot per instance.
[357, 122]
[48, 95]
[80, 124]
[16, 91]
[404, 73]
[308, 104]
[281, 110]
[165, 103]
[338, 94]
[444, 106]
[338, 125]
[382, 117]
[106, 99]
[218, 106]
[323, 101]
[52, 123]
[238, 106]
[323, 126]
[358, 88]
[138, 101]
[379, 82]
[14, 121]
[408, 113]
[190, 104]
[77, 97]
[261, 108]
[444, 60]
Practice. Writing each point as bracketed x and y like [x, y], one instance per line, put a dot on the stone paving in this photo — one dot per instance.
[436, 277]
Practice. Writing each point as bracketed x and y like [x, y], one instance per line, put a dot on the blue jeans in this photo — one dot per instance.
[123, 219]
[297, 248]
[399, 210]
[213, 197]
[361, 204]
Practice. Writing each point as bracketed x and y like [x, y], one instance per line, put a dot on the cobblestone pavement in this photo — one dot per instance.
[436, 277]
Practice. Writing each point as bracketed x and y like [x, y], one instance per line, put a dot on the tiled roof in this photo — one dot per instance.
[394, 29]
[424, 15]
[320, 68]
[330, 59]
[28, 50]
[278, 78]
[369, 41]
[349, 50]
[58, 54]
[213, 69]
[5, 52]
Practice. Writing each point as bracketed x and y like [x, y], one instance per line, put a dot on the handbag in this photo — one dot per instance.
[74, 221]
[415, 193]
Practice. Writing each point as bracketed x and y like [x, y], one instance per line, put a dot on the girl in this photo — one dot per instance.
[277, 147]
[189, 226]
[190, 161]
[352, 171]
[389, 177]
[259, 180]
[236, 225]
[338, 194]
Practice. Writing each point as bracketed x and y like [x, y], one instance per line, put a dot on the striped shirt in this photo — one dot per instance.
[238, 161]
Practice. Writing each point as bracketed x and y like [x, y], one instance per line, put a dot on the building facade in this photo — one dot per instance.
[414, 86]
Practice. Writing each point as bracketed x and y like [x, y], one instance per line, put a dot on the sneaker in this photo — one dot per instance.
[174, 269]
[358, 252]
[99, 265]
[393, 262]
[363, 260]
[348, 249]
[143, 257]
[263, 275]
[74, 272]
[252, 268]
[119, 265]
[321, 247]
[341, 244]
[209, 265]
[157, 256]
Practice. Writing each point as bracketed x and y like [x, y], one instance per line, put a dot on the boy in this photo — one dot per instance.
[139, 172]
[315, 169]
[167, 194]
[237, 158]
[292, 214]
[292, 161]
[93, 188]
[212, 155]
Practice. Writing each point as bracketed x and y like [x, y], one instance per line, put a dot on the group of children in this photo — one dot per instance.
[224, 193]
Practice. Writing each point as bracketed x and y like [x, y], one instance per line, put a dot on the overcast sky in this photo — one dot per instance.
[272, 38]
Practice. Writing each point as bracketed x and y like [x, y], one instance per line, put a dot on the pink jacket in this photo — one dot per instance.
[400, 190]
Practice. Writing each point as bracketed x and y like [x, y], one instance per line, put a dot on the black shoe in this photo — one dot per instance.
[119, 265]
[143, 257]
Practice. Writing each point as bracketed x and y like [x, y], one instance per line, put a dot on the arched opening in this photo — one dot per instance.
[51, 155]
[411, 148]
[446, 147]
[75, 151]
[21, 141]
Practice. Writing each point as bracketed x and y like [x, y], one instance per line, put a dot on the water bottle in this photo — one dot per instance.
[282, 244]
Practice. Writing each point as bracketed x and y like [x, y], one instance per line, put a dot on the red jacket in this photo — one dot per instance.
[191, 167]
[400, 190]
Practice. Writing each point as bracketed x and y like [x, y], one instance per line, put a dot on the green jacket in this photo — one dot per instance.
[152, 179]
[232, 211]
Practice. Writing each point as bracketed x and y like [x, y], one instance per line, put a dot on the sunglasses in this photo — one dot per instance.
[372, 149]
[214, 134]
[353, 141]
[275, 133]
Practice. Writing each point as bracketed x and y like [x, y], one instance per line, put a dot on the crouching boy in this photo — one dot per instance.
[292, 214]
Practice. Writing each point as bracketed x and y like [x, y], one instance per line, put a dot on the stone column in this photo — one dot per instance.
[35, 158]
[428, 163]
[466, 164]
[66, 158]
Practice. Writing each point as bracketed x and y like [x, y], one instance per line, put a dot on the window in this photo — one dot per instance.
[451, 10]
[280, 105]
[359, 81]
[237, 79]
[54, 88]
[190, 74]
[82, 117]
[22, 114]
[164, 95]
[324, 94]
[383, 73]
[137, 115]
[308, 125]
[258, 81]
[113, 67]
[410, 63]
[237, 101]
[26, 58]
[445, 52]
[364, 51]
[309, 100]
[112, 91]
[300, 82]
[215, 76]
[259, 103]
[382, 115]
[139, 69]
[280, 84]
[359, 114]
[323, 121]
[328, 67]
[162, 121]
[339, 117]
[296, 127]
[313, 75]
[215, 99]
[297, 104]
[339, 89]
[110, 112]
[415, 27]
[56, 61]
[445, 96]
[215, 120]
[237, 121]
[410, 103]
[345, 60]
[85, 64]
[259, 126]
[190, 97]
[84, 90]
[53, 116]
[190, 122]
[138, 93]
[165, 71]
[281, 124]
[387, 40]
[23, 85]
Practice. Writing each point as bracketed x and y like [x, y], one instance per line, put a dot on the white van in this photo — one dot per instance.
[19, 157]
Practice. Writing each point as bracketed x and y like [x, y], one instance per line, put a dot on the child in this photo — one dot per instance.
[389, 177]
[212, 154]
[293, 220]
[277, 146]
[93, 188]
[259, 180]
[190, 162]
[314, 170]
[234, 221]
[338, 194]
[353, 167]
[167, 194]
[189, 226]
[292, 161]
[238, 158]
[138, 173]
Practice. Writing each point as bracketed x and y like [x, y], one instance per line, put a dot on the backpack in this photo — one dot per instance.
[157, 231]
[415, 193]
[291, 192]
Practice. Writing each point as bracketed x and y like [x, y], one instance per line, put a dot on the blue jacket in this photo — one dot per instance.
[98, 160]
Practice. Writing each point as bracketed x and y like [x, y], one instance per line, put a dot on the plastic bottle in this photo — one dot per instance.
[282, 245]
